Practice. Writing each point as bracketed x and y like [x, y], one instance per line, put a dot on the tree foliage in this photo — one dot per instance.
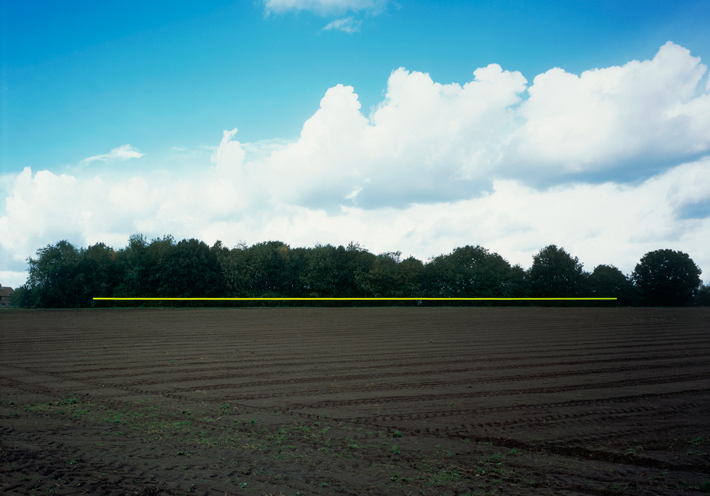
[702, 298]
[190, 270]
[62, 275]
[468, 272]
[667, 278]
[557, 274]
[606, 281]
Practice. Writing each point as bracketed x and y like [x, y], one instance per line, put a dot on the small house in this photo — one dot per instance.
[5, 296]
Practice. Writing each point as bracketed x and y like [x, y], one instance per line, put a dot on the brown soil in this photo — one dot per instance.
[355, 401]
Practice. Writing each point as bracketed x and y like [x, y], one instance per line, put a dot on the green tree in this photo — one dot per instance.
[52, 276]
[233, 266]
[516, 283]
[383, 279]
[606, 281]
[140, 264]
[266, 268]
[467, 272]
[97, 272]
[191, 270]
[357, 264]
[63, 276]
[702, 298]
[261, 270]
[320, 277]
[667, 278]
[556, 274]
[132, 262]
[411, 273]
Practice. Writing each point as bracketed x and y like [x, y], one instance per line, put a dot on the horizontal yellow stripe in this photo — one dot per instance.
[355, 299]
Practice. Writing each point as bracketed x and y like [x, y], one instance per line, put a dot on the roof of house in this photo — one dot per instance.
[6, 291]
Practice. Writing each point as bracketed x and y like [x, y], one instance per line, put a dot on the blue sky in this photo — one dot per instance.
[82, 75]
[164, 80]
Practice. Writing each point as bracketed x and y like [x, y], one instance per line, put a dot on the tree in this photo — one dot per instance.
[556, 274]
[233, 265]
[54, 281]
[411, 271]
[384, 277]
[265, 267]
[24, 297]
[702, 298]
[468, 272]
[358, 264]
[667, 278]
[516, 283]
[606, 281]
[320, 277]
[139, 265]
[191, 270]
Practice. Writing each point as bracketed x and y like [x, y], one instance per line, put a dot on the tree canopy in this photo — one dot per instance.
[667, 278]
[556, 274]
[608, 281]
[63, 275]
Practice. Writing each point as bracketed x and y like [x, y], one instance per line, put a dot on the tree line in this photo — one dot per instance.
[64, 276]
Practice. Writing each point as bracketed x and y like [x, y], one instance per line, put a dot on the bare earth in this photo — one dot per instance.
[355, 401]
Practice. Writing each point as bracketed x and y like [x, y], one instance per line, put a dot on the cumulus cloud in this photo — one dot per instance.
[123, 152]
[599, 223]
[229, 156]
[610, 164]
[641, 116]
[430, 142]
[425, 142]
[324, 7]
[346, 25]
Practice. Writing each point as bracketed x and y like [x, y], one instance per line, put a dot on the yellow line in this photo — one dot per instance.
[355, 299]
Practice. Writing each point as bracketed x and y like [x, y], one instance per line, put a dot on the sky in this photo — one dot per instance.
[410, 126]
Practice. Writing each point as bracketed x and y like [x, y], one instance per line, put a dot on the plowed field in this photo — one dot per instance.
[355, 401]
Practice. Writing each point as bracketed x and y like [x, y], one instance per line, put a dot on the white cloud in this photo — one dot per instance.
[324, 7]
[639, 116]
[123, 152]
[12, 279]
[622, 153]
[425, 142]
[429, 142]
[346, 25]
[229, 157]
[599, 223]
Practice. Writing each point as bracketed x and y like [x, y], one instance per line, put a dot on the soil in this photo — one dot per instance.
[360, 401]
